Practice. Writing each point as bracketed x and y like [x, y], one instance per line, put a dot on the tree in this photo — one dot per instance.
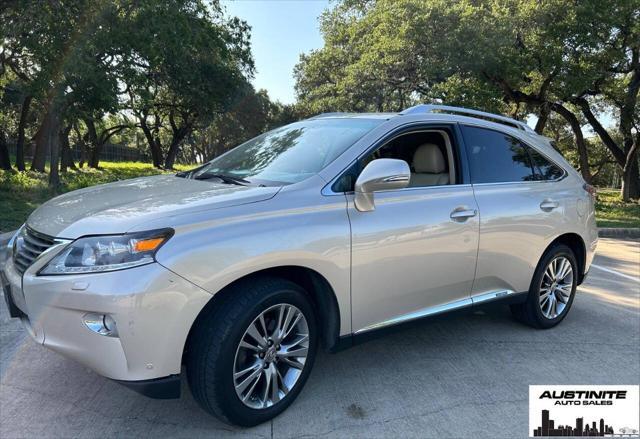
[99, 131]
[186, 66]
[515, 57]
[182, 60]
[16, 103]
[60, 51]
[5, 162]
[252, 114]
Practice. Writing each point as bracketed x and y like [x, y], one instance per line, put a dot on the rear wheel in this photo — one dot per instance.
[249, 358]
[552, 289]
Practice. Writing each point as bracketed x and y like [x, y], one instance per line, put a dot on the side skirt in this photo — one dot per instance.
[436, 313]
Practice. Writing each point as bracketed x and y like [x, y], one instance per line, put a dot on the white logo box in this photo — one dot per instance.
[584, 410]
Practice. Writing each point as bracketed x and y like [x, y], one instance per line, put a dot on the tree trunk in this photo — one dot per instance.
[82, 140]
[177, 138]
[66, 158]
[53, 140]
[94, 156]
[42, 145]
[24, 113]
[543, 117]
[631, 180]
[156, 152]
[94, 148]
[583, 155]
[154, 145]
[5, 162]
[46, 136]
[171, 154]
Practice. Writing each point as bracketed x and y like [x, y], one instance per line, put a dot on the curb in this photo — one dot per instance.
[611, 232]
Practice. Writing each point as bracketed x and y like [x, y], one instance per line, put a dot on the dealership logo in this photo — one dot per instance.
[580, 411]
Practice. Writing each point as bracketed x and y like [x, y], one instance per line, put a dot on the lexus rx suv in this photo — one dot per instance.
[313, 235]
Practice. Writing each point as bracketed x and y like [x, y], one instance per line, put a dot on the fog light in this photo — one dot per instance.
[102, 324]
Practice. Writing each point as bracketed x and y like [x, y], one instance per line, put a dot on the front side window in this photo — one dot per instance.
[289, 154]
[495, 157]
[428, 154]
[545, 169]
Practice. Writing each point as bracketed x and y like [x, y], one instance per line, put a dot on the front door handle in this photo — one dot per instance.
[548, 205]
[461, 214]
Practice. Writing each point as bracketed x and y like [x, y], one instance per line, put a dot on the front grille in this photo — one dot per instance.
[27, 246]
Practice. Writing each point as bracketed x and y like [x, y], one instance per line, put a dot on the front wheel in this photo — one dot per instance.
[552, 289]
[249, 358]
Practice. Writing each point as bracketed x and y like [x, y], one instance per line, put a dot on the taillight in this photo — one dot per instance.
[590, 189]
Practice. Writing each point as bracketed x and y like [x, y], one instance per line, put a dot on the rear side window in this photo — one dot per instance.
[496, 157]
[544, 168]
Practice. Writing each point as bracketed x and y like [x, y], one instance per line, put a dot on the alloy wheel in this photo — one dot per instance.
[556, 287]
[271, 356]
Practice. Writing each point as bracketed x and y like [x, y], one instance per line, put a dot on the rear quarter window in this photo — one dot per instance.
[546, 170]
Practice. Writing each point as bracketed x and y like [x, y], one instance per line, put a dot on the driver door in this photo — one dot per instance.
[413, 255]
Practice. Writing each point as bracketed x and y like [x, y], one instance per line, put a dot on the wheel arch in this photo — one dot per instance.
[320, 291]
[577, 245]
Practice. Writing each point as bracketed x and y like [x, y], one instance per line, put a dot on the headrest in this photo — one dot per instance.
[428, 159]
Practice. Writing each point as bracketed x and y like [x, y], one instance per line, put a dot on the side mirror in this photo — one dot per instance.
[380, 175]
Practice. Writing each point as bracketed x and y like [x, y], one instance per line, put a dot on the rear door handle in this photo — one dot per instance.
[548, 205]
[461, 214]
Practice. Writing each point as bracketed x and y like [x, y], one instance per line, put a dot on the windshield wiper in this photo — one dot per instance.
[225, 178]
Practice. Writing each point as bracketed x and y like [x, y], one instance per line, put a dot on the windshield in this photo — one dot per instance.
[290, 153]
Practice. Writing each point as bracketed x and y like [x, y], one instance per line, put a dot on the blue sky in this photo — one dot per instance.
[281, 31]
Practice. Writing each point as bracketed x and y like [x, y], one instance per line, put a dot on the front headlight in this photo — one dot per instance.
[95, 254]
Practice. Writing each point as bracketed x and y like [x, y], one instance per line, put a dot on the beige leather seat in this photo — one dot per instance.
[429, 166]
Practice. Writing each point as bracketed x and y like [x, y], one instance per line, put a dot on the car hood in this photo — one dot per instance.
[120, 206]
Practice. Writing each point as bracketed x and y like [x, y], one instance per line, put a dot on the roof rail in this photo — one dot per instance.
[430, 108]
[330, 114]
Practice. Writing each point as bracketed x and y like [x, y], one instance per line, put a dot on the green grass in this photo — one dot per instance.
[611, 211]
[22, 192]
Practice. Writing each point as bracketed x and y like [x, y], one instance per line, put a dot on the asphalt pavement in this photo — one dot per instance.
[464, 376]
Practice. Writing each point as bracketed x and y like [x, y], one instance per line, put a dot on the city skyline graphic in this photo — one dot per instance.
[581, 429]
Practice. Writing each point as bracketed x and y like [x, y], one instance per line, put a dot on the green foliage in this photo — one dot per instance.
[185, 54]
[181, 62]
[611, 211]
[462, 52]
[508, 56]
[253, 114]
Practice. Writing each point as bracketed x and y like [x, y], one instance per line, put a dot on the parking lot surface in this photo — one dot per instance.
[463, 376]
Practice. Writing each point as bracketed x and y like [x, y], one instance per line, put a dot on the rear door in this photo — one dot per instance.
[520, 210]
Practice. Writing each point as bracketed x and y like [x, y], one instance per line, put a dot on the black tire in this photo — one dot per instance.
[530, 312]
[214, 341]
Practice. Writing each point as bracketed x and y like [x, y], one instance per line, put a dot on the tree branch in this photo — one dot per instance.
[608, 141]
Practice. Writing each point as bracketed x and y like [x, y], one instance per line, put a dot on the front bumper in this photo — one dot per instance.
[153, 309]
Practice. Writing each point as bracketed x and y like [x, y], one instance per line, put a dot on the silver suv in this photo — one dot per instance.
[314, 234]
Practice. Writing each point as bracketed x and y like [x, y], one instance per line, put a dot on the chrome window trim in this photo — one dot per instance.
[417, 188]
[501, 183]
